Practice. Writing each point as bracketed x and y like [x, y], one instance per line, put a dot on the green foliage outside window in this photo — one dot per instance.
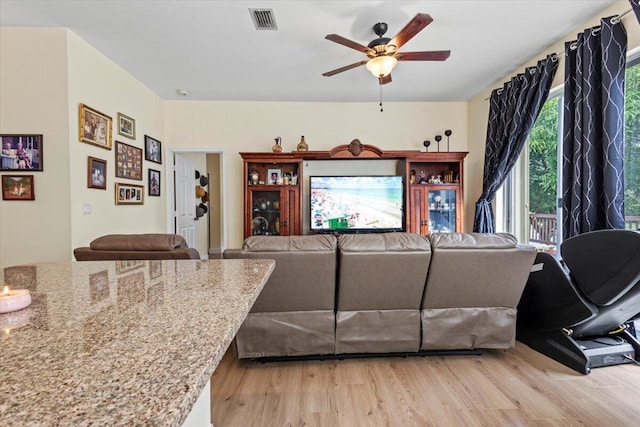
[543, 142]
[543, 161]
[632, 142]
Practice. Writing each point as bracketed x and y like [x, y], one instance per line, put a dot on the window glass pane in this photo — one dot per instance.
[632, 146]
[543, 175]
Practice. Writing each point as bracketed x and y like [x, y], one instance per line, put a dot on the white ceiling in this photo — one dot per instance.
[212, 50]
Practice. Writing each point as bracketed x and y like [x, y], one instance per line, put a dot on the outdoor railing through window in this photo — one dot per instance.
[543, 229]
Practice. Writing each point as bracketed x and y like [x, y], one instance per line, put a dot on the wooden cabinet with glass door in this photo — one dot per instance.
[435, 194]
[271, 194]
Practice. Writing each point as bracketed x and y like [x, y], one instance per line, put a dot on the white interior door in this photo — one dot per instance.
[185, 197]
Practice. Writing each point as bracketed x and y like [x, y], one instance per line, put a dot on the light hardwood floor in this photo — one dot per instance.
[516, 387]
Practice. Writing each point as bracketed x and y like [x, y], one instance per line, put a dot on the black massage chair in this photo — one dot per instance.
[577, 310]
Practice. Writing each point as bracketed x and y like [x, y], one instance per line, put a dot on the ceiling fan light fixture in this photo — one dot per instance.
[381, 66]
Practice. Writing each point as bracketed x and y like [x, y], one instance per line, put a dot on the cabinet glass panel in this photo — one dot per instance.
[442, 211]
[265, 213]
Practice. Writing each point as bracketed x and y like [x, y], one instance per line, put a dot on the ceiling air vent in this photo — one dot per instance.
[264, 19]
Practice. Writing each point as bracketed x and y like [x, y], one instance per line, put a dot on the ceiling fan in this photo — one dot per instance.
[383, 52]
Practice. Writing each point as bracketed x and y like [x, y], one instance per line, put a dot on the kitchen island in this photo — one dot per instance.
[120, 342]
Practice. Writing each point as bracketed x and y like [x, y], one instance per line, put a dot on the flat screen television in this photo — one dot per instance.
[352, 204]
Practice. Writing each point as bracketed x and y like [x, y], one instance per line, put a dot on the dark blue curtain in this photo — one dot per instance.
[513, 110]
[593, 137]
[635, 4]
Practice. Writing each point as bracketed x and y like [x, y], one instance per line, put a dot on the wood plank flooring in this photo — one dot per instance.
[516, 387]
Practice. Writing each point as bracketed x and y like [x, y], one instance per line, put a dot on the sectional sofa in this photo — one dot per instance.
[384, 293]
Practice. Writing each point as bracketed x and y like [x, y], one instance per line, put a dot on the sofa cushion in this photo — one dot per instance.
[289, 243]
[472, 241]
[382, 271]
[384, 242]
[305, 273]
[139, 242]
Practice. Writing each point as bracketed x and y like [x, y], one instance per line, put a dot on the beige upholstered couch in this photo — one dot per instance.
[136, 246]
[384, 293]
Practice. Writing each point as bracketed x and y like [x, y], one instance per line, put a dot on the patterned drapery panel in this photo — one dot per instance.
[593, 135]
[513, 110]
[635, 4]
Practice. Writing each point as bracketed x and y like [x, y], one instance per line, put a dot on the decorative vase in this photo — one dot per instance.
[277, 147]
[302, 146]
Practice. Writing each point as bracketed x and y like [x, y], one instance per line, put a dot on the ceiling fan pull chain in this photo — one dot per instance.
[381, 110]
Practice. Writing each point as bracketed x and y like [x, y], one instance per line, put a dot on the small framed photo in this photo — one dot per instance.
[128, 161]
[126, 126]
[95, 127]
[128, 194]
[274, 176]
[152, 149]
[21, 152]
[17, 187]
[96, 173]
[154, 182]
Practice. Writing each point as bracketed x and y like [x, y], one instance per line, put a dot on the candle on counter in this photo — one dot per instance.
[13, 300]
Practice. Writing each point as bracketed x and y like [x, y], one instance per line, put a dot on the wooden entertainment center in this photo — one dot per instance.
[433, 187]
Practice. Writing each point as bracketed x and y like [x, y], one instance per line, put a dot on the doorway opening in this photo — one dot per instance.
[207, 212]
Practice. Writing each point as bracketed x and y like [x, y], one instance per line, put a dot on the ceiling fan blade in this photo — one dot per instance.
[414, 26]
[385, 80]
[345, 68]
[348, 43]
[431, 55]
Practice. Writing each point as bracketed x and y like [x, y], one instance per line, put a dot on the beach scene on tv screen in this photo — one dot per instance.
[359, 203]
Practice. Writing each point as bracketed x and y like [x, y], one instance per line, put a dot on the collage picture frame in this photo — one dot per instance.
[129, 194]
[128, 161]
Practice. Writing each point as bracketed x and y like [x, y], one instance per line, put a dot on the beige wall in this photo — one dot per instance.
[33, 88]
[479, 105]
[215, 205]
[236, 127]
[44, 75]
[98, 82]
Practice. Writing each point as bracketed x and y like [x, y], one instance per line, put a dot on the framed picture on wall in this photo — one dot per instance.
[154, 182]
[126, 126]
[96, 173]
[95, 127]
[128, 194]
[152, 149]
[17, 187]
[21, 153]
[128, 161]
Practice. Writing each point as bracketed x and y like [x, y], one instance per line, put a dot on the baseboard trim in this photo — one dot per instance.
[421, 353]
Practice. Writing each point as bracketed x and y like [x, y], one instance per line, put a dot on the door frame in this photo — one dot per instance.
[170, 182]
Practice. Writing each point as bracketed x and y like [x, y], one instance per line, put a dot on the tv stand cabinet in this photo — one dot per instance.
[275, 207]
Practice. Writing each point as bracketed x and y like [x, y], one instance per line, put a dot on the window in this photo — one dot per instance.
[527, 204]
[632, 146]
[543, 175]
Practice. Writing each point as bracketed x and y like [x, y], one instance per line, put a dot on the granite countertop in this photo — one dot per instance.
[119, 342]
